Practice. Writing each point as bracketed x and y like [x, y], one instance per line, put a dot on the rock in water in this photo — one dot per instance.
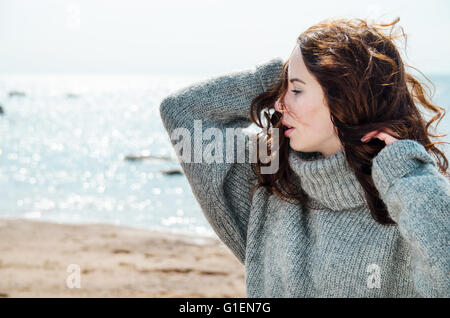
[172, 172]
[16, 93]
[143, 157]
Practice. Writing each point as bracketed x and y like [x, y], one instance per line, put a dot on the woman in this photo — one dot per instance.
[357, 208]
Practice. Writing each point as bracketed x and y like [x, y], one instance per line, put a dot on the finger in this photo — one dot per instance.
[393, 134]
[369, 135]
[388, 139]
[384, 137]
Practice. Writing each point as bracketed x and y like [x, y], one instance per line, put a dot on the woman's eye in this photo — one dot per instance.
[295, 91]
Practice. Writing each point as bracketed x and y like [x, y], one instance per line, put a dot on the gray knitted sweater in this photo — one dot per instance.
[335, 249]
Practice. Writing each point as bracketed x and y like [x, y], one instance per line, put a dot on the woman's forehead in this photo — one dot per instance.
[296, 67]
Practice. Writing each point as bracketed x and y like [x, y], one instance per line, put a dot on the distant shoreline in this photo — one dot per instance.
[163, 230]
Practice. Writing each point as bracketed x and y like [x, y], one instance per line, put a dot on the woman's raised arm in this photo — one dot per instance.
[206, 109]
[417, 197]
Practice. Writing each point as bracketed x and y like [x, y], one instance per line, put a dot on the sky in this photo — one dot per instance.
[195, 37]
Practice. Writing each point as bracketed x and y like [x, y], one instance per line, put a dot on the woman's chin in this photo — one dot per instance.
[299, 146]
[296, 145]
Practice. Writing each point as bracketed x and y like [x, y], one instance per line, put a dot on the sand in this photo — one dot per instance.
[112, 261]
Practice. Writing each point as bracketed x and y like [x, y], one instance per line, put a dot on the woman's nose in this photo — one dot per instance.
[278, 106]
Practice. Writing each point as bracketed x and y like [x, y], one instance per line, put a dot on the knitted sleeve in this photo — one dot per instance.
[201, 113]
[417, 197]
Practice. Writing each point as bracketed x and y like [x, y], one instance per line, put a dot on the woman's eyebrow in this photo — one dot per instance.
[296, 80]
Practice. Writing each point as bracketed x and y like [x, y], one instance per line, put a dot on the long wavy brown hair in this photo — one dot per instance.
[366, 88]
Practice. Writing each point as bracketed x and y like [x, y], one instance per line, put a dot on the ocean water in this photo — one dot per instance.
[64, 142]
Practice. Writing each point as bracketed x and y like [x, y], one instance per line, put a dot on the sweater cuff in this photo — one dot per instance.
[395, 161]
[270, 73]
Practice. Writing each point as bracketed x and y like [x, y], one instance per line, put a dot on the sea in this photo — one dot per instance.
[65, 140]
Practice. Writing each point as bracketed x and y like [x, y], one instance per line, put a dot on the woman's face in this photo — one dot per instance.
[307, 112]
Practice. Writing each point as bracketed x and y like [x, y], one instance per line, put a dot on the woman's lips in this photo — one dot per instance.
[288, 131]
[288, 127]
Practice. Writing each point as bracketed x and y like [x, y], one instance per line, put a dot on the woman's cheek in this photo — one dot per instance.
[303, 115]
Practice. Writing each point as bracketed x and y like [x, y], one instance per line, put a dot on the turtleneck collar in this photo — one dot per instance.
[329, 181]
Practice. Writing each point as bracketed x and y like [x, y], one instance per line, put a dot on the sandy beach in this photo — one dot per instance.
[113, 261]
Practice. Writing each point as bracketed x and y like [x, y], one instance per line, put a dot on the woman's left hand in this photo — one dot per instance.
[387, 138]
